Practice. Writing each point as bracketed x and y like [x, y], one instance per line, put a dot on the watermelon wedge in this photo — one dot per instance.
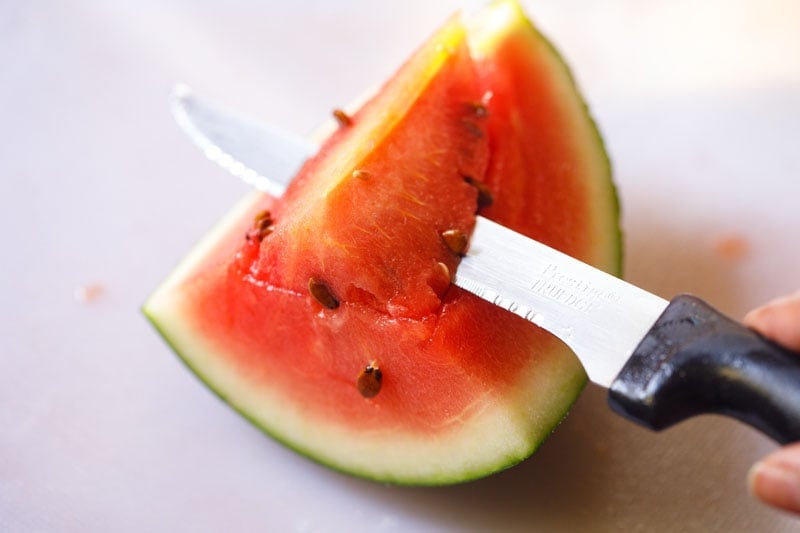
[327, 317]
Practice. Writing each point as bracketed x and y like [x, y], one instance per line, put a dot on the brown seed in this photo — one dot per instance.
[262, 217]
[320, 291]
[479, 109]
[262, 226]
[455, 240]
[443, 271]
[370, 380]
[360, 174]
[258, 234]
[473, 128]
[485, 197]
[342, 118]
[439, 279]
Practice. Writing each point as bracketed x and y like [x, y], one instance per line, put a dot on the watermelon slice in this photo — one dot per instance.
[327, 317]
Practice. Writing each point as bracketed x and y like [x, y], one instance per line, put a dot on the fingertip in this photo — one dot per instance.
[776, 480]
[755, 318]
[778, 320]
[764, 321]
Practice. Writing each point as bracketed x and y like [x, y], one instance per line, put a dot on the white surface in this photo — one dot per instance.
[102, 429]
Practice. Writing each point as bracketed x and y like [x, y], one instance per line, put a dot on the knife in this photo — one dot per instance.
[662, 361]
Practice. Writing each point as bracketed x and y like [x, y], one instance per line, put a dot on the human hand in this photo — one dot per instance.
[775, 480]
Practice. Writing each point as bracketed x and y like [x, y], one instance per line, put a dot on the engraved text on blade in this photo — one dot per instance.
[576, 293]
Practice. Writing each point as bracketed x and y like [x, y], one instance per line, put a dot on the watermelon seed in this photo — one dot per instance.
[473, 128]
[485, 197]
[479, 109]
[443, 270]
[320, 291]
[342, 118]
[455, 240]
[263, 219]
[262, 226]
[360, 174]
[369, 380]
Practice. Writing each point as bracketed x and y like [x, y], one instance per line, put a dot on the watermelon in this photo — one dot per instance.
[327, 318]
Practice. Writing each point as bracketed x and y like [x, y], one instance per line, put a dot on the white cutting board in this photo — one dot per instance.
[102, 429]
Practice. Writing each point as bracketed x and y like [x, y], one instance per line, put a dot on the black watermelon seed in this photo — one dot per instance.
[320, 291]
[485, 198]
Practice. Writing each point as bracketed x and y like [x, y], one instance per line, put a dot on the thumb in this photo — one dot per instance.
[775, 480]
[779, 320]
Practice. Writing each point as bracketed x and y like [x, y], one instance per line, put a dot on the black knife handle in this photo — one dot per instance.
[695, 360]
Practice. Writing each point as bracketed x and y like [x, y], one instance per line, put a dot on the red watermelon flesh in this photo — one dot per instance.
[539, 130]
[365, 201]
[351, 281]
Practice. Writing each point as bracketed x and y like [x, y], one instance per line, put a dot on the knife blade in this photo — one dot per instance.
[662, 361]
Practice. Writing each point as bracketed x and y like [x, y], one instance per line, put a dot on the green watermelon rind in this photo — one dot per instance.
[570, 387]
[614, 208]
[153, 309]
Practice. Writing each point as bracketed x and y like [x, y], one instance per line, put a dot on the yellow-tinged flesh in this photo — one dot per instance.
[394, 103]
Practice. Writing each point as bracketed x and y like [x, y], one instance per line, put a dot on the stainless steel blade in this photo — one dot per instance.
[262, 156]
[599, 316]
